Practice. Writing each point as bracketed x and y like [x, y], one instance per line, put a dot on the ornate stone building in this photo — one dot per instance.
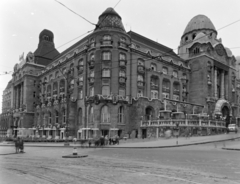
[117, 82]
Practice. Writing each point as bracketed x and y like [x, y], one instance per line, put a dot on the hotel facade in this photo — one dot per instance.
[114, 82]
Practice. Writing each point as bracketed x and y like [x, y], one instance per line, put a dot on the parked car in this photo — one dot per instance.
[232, 128]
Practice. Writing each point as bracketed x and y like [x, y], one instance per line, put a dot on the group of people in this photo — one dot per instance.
[107, 141]
[19, 145]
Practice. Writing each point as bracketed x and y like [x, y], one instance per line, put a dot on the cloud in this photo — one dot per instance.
[14, 35]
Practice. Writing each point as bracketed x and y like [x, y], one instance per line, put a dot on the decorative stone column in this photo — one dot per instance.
[215, 82]
[226, 84]
[222, 85]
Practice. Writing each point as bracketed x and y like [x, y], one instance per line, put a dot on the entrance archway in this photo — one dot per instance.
[226, 114]
[149, 112]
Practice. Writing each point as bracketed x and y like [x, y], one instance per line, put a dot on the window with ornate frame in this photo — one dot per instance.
[81, 94]
[50, 118]
[92, 57]
[107, 40]
[91, 73]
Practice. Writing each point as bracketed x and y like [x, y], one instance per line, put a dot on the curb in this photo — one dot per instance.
[149, 147]
[74, 156]
[232, 149]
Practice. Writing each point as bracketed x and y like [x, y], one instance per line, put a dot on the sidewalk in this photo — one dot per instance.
[147, 143]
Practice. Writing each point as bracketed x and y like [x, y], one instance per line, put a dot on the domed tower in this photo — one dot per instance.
[46, 51]
[212, 78]
[199, 29]
[110, 19]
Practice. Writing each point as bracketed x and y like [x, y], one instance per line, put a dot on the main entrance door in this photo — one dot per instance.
[226, 114]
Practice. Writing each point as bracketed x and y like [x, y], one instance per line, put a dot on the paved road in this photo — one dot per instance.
[193, 165]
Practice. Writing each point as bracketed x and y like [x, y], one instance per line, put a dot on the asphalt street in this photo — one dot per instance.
[198, 164]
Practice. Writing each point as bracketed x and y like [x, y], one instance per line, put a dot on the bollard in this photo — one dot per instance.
[74, 147]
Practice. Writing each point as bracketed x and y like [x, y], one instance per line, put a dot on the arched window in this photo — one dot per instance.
[153, 67]
[50, 77]
[121, 115]
[105, 72]
[106, 56]
[105, 114]
[106, 90]
[140, 62]
[91, 115]
[56, 117]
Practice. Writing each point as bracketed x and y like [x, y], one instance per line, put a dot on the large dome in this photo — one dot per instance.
[199, 22]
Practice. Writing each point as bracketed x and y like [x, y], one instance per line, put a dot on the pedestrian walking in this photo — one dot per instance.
[106, 140]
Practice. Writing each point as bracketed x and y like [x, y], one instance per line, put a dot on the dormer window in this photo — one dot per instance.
[186, 38]
[193, 36]
[196, 50]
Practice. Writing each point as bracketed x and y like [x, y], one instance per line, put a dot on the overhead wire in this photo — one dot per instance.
[75, 12]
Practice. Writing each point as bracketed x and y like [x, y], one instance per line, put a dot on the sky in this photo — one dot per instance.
[162, 21]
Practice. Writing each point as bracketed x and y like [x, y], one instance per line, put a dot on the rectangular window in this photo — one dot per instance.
[106, 90]
[106, 56]
[80, 94]
[122, 92]
[106, 73]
